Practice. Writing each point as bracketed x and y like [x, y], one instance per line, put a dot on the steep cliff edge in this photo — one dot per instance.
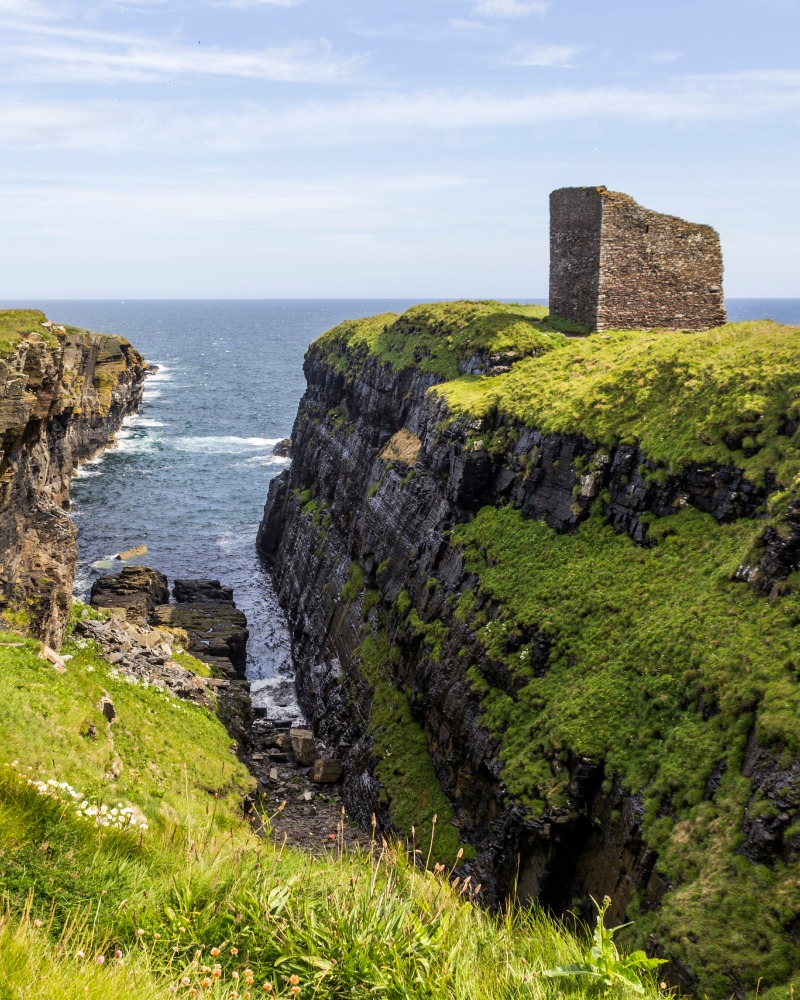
[63, 393]
[546, 588]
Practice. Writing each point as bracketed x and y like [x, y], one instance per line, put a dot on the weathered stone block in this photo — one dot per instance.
[326, 771]
[136, 588]
[303, 746]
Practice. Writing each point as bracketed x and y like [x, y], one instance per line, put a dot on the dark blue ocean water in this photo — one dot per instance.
[190, 472]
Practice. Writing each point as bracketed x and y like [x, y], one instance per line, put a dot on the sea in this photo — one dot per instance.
[189, 473]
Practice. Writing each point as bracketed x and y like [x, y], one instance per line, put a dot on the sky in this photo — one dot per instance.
[381, 148]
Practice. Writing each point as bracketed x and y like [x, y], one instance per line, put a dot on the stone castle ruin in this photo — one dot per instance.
[614, 264]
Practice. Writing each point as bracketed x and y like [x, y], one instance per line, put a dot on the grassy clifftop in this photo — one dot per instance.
[723, 396]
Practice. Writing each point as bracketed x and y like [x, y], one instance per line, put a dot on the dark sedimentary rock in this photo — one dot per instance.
[394, 527]
[136, 588]
[283, 449]
[201, 592]
[217, 630]
[62, 396]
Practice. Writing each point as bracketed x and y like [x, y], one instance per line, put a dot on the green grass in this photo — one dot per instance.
[661, 681]
[436, 338]
[404, 767]
[51, 723]
[197, 892]
[678, 395]
[345, 926]
[16, 324]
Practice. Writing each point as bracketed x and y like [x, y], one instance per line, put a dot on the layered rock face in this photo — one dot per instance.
[391, 627]
[63, 394]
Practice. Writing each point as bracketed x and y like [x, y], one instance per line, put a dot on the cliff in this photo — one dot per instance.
[63, 393]
[544, 587]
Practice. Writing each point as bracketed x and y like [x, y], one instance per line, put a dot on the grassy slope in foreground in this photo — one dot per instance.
[198, 879]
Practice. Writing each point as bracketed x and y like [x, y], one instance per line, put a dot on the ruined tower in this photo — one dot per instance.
[614, 264]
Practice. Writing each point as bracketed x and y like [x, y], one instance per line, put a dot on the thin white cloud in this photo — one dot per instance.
[555, 56]
[248, 4]
[666, 56]
[342, 205]
[24, 8]
[467, 24]
[113, 127]
[75, 55]
[509, 8]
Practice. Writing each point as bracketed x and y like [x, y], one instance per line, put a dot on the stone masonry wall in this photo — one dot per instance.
[615, 264]
[576, 216]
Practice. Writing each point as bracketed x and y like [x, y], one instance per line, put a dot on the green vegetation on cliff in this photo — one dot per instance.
[436, 338]
[680, 686]
[661, 668]
[196, 905]
[16, 324]
[722, 396]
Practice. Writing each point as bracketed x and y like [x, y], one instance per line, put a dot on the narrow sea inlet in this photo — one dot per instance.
[190, 472]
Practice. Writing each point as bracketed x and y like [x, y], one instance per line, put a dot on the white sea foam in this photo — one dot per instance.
[84, 473]
[151, 394]
[138, 443]
[223, 445]
[276, 696]
[137, 421]
[267, 461]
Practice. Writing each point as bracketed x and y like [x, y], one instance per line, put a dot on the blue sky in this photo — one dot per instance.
[290, 148]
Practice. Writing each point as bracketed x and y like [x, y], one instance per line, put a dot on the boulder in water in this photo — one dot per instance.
[136, 588]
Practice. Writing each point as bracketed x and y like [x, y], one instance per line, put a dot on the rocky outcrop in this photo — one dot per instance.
[356, 535]
[206, 624]
[135, 588]
[205, 614]
[63, 394]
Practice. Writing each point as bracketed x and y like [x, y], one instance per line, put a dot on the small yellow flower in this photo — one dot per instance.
[234, 975]
[214, 952]
[205, 983]
[294, 980]
[295, 990]
[234, 951]
[216, 973]
[267, 987]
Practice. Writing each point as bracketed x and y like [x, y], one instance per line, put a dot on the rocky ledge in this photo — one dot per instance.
[63, 394]
[195, 649]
